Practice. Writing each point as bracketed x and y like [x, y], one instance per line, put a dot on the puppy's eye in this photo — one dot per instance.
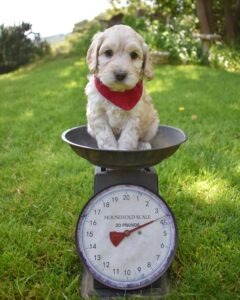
[109, 53]
[134, 55]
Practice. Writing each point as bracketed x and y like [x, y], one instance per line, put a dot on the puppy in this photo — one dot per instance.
[120, 114]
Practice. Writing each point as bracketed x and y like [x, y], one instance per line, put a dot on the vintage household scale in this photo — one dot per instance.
[126, 234]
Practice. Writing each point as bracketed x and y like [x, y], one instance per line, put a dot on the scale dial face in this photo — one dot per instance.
[126, 236]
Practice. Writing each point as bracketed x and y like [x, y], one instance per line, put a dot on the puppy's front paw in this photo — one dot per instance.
[126, 145]
[144, 146]
[108, 143]
[111, 147]
[128, 139]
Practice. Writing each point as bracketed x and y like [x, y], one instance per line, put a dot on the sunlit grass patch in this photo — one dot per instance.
[209, 188]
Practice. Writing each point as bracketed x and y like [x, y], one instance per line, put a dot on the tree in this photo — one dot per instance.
[215, 16]
[221, 17]
[232, 20]
[205, 16]
[17, 48]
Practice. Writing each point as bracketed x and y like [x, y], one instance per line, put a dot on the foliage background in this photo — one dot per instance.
[172, 26]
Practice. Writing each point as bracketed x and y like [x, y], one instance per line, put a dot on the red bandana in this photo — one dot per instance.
[125, 100]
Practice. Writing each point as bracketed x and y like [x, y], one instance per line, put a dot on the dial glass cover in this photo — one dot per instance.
[126, 236]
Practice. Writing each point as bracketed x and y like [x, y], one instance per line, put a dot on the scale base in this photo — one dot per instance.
[89, 288]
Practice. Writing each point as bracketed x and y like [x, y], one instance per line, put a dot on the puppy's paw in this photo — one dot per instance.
[127, 146]
[107, 147]
[144, 146]
[127, 142]
[110, 147]
[108, 144]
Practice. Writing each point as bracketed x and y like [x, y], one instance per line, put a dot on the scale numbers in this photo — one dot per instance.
[126, 236]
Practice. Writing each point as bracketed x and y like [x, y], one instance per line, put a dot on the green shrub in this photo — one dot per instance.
[224, 57]
[175, 37]
[17, 48]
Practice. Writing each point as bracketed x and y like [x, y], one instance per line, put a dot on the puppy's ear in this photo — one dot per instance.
[147, 65]
[92, 54]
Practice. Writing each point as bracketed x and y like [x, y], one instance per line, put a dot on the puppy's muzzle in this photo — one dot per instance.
[120, 75]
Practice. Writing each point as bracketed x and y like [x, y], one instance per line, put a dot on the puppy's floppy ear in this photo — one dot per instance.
[147, 65]
[92, 54]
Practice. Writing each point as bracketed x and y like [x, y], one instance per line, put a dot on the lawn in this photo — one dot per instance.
[44, 184]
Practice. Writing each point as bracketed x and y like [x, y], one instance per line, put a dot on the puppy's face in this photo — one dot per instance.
[119, 58]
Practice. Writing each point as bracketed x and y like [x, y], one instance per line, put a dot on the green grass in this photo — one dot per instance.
[44, 184]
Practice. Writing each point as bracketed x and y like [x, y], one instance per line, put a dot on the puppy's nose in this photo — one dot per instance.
[120, 75]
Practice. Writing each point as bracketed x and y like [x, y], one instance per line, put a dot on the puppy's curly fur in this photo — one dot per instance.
[119, 50]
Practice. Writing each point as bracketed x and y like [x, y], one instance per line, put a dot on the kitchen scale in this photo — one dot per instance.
[126, 234]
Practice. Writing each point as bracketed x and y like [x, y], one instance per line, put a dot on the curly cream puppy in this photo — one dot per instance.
[120, 114]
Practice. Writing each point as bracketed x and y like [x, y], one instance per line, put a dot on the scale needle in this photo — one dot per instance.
[116, 237]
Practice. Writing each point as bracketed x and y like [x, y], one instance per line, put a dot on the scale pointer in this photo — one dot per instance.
[117, 237]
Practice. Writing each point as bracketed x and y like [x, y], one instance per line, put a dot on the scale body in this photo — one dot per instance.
[142, 270]
[142, 178]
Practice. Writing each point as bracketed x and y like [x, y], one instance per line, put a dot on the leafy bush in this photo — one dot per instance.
[17, 48]
[224, 57]
[175, 37]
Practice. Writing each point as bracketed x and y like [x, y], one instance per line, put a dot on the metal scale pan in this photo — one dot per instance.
[165, 143]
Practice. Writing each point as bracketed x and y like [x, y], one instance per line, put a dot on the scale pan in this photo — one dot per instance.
[166, 142]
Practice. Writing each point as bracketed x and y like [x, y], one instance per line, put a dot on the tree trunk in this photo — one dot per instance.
[205, 16]
[229, 21]
[231, 17]
[237, 20]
